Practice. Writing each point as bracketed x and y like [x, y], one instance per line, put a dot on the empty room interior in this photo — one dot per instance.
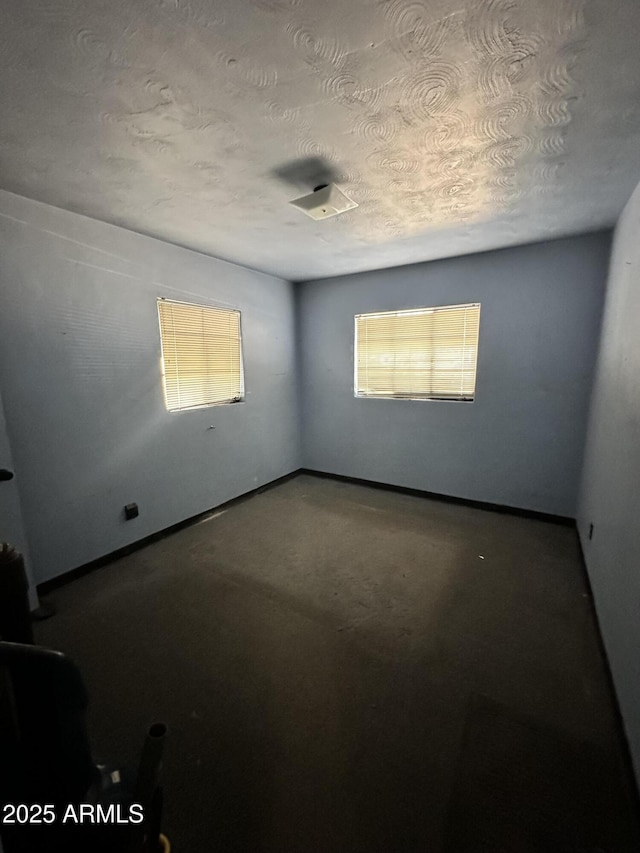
[320, 425]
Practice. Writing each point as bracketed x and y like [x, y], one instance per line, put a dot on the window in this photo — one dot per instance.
[425, 354]
[201, 355]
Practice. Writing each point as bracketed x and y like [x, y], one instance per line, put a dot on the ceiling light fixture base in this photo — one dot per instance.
[326, 200]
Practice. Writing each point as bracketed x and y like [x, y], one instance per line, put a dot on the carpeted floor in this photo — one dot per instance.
[351, 670]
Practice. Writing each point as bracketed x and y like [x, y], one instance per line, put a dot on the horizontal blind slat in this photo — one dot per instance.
[201, 354]
[422, 352]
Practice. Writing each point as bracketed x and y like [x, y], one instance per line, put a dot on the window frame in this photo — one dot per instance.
[200, 305]
[413, 395]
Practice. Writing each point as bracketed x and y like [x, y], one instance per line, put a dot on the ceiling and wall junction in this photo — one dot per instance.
[456, 127]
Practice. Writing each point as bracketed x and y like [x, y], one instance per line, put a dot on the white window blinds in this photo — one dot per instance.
[426, 353]
[201, 355]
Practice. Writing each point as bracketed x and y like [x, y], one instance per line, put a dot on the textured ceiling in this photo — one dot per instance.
[456, 126]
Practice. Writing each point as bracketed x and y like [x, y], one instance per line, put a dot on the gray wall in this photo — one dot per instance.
[610, 494]
[80, 379]
[520, 443]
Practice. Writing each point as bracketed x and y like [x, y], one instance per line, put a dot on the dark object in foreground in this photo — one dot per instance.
[46, 759]
[45, 754]
[15, 618]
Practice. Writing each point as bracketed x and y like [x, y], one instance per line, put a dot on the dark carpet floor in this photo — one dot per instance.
[351, 670]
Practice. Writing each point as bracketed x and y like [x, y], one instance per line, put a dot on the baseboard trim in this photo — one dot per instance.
[66, 577]
[72, 574]
[567, 521]
[632, 780]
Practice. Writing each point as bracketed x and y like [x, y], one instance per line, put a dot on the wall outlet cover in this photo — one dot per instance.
[131, 511]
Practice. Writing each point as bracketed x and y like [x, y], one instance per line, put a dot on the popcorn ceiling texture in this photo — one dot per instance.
[457, 127]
